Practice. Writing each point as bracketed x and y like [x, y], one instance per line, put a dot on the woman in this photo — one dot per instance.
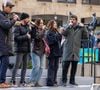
[54, 40]
[38, 52]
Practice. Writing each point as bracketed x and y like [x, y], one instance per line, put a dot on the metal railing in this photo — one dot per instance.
[91, 50]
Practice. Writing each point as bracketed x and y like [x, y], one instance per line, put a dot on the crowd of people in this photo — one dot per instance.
[39, 40]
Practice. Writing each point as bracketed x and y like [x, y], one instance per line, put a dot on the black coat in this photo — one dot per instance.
[54, 42]
[22, 42]
[5, 26]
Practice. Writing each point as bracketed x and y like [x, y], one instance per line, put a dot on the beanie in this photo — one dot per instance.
[24, 16]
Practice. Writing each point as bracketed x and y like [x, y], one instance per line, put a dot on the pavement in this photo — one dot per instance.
[80, 87]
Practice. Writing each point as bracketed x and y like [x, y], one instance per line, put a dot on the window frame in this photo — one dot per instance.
[90, 2]
[66, 1]
[44, 0]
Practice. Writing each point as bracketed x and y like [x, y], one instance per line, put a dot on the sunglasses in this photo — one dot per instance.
[10, 6]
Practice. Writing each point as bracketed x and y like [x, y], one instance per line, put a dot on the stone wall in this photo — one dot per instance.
[36, 8]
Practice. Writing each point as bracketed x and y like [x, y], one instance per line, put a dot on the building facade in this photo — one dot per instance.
[58, 9]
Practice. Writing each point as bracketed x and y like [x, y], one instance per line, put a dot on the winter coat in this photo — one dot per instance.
[22, 41]
[5, 26]
[54, 42]
[90, 43]
[72, 44]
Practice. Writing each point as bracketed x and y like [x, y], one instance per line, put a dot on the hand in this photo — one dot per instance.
[61, 30]
[29, 36]
[15, 17]
[71, 24]
[81, 24]
[43, 27]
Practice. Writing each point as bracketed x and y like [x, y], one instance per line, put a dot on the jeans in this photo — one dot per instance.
[4, 62]
[37, 67]
[21, 58]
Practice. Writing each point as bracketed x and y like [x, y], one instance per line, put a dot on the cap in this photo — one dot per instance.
[10, 4]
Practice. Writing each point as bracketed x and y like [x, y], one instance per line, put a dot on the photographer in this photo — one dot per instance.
[5, 26]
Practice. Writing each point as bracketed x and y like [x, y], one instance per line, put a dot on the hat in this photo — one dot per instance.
[8, 4]
[24, 16]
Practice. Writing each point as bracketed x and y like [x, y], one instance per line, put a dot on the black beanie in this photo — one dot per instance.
[24, 16]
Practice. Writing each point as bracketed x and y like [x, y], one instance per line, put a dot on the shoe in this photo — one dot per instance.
[64, 84]
[30, 84]
[37, 85]
[7, 84]
[73, 83]
[13, 83]
[4, 85]
[55, 85]
[22, 84]
[50, 85]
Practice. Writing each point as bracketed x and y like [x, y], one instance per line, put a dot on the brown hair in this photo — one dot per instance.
[3, 6]
[74, 16]
[38, 21]
[50, 25]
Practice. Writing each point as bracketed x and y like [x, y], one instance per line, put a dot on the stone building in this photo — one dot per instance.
[58, 9]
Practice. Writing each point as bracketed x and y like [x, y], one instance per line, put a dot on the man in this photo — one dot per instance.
[5, 26]
[73, 34]
[22, 42]
[93, 22]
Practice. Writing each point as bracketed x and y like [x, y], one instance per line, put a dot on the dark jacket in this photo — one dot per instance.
[89, 43]
[72, 44]
[37, 40]
[5, 26]
[22, 42]
[54, 42]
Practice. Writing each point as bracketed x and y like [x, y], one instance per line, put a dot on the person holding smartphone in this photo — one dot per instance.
[73, 34]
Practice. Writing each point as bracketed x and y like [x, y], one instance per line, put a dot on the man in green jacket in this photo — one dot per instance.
[73, 35]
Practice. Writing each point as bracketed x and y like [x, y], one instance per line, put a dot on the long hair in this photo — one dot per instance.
[37, 22]
[50, 25]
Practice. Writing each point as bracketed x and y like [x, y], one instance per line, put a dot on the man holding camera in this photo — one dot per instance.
[5, 26]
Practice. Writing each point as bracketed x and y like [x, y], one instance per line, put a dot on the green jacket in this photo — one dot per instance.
[72, 44]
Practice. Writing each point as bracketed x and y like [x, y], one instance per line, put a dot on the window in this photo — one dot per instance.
[95, 2]
[67, 1]
[71, 1]
[45, 0]
[61, 1]
[85, 1]
[92, 2]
